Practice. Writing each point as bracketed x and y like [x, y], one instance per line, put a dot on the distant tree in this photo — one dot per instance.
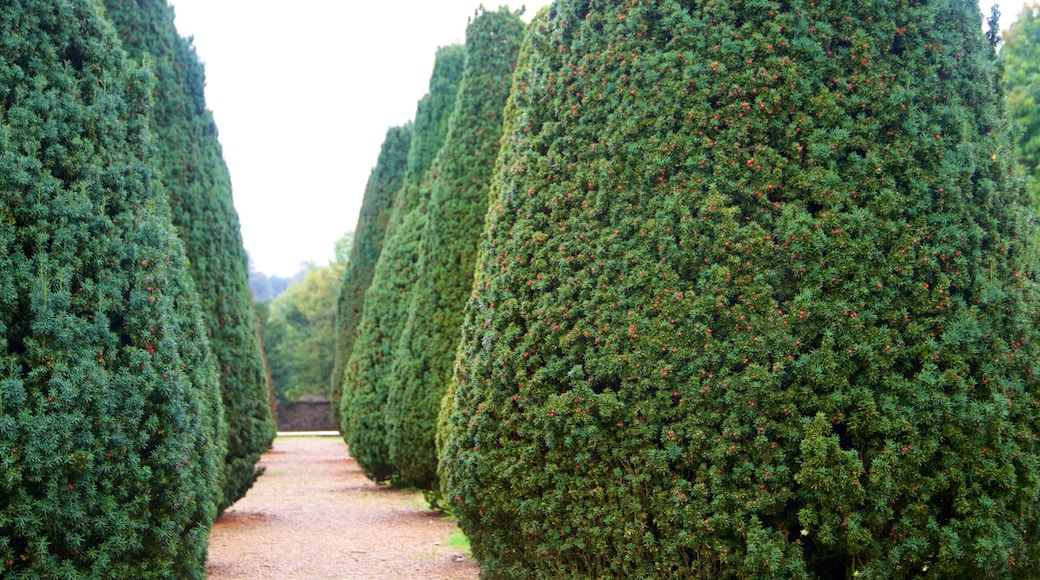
[199, 188]
[757, 299]
[462, 171]
[385, 311]
[384, 182]
[299, 330]
[341, 248]
[110, 415]
[266, 287]
[1021, 54]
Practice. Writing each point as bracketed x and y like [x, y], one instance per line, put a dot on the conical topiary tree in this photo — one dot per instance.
[1021, 54]
[757, 300]
[199, 188]
[110, 417]
[385, 311]
[384, 182]
[470, 308]
[421, 364]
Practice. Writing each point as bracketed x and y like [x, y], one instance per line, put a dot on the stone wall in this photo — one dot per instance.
[305, 416]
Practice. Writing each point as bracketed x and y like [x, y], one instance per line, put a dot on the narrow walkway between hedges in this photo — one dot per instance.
[315, 516]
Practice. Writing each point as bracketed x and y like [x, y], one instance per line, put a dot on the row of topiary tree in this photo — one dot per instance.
[755, 296]
[410, 272]
[133, 397]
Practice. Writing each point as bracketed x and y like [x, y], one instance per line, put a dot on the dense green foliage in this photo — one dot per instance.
[199, 189]
[1021, 54]
[385, 311]
[384, 182]
[298, 329]
[110, 416]
[462, 170]
[471, 307]
[756, 299]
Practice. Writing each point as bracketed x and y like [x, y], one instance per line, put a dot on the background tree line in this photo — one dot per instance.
[298, 327]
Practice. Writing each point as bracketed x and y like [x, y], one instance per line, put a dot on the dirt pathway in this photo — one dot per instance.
[315, 516]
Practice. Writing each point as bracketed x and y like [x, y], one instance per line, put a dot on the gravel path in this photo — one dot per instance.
[315, 516]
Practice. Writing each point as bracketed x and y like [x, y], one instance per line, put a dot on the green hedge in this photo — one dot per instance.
[462, 170]
[756, 300]
[385, 311]
[110, 417]
[199, 188]
[471, 307]
[384, 182]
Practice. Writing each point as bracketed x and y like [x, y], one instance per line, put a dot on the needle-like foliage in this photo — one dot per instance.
[199, 189]
[385, 310]
[383, 184]
[110, 415]
[455, 218]
[756, 299]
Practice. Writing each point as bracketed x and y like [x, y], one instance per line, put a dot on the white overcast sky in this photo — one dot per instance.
[303, 94]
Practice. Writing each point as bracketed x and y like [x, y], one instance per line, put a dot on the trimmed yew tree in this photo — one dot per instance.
[756, 300]
[385, 311]
[199, 188]
[110, 417]
[1021, 54]
[455, 218]
[470, 307]
[383, 183]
